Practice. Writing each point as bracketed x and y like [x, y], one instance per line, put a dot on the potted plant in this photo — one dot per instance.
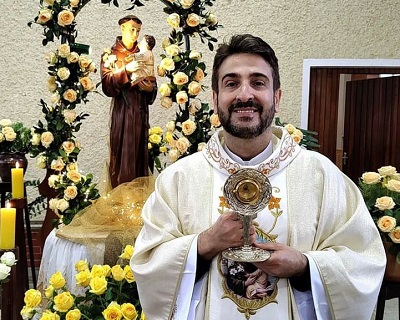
[14, 144]
[381, 192]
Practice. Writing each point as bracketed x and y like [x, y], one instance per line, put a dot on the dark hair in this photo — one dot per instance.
[151, 41]
[245, 43]
[128, 18]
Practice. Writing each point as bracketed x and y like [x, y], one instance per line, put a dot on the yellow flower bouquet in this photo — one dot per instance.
[110, 293]
[381, 192]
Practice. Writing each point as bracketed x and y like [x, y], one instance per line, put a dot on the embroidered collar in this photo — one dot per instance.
[285, 149]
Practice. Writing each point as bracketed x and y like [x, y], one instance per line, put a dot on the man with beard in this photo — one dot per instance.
[327, 260]
[130, 102]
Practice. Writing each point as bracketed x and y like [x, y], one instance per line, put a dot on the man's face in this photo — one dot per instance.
[130, 31]
[246, 102]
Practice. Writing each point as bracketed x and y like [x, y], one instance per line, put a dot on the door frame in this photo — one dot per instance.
[338, 63]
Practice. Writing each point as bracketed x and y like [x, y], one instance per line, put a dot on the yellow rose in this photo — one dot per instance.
[128, 250]
[82, 278]
[182, 144]
[74, 3]
[52, 84]
[387, 170]
[193, 20]
[172, 50]
[57, 280]
[181, 97]
[75, 177]
[166, 102]
[393, 185]
[118, 273]
[87, 83]
[70, 192]
[169, 137]
[186, 4]
[188, 127]
[386, 223]
[194, 88]
[129, 276]
[155, 138]
[70, 95]
[165, 90]
[26, 312]
[65, 18]
[64, 50]
[68, 146]
[98, 285]
[290, 128]
[384, 203]
[195, 55]
[73, 57]
[211, 20]
[174, 20]
[112, 312]
[72, 166]
[142, 316]
[214, 120]
[48, 315]
[32, 298]
[84, 62]
[173, 155]
[44, 16]
[129, 311]
[57, 164]
[395, 235]
[106, 270]
[371, 177]
[97, 271]
[180, 78]
[48, 292]
[63, 73]
[167, 64]
[163, 149]
[170, 126]
[201, 146]
[152, 130]
[63, 301]
[74, 314]
[199, 75]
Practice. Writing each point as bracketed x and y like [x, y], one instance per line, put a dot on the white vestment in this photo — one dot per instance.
[316, 209]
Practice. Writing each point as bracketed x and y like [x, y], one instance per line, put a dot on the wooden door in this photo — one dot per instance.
[372, 120]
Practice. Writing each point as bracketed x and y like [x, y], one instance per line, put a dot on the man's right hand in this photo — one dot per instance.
[226, 232]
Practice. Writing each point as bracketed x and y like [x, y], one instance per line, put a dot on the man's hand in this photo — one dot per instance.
[285, 262]
[226, 232]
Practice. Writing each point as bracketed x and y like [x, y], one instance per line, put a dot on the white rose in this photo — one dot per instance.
[195, 55]
[44, 16]
[2, 137]
[74, 3]
[65, 18]
[64, 50]
[194, 88]
[172, 50]
[63, 73]
[166, 102]
[194, 106]
[8, 258]
[4, 271]
[393, 185]
[386, 223]
[387, 171]
[395, 235]
[211, 20]
[193, 20]
[181, 97]
[69, 115]
[165, 90]
[214, 120]
[53, 204]
[10, 136]
[73, 57]
[5, 122]
[182, 144]
[51, 58]
[201, 146]
[180, 78]
[173, 154]
[46, 138]
[371, 177]
[199, 75]
[41, 161]
[58, 164]
[52, 180]
[170, 126]
[188, 127]
[174, 20]
[52, 84]
[70, 95]
[167, 64]
[55, 98]
[70, 192]
[62, 205]
[384, 203]
[68, 146]
[186, 4]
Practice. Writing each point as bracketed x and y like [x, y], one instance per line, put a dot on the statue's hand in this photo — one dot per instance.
[132, 66]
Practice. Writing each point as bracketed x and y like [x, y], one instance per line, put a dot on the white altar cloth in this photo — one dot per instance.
[62, 255]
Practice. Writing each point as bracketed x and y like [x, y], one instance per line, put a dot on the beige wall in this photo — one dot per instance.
[297, 30]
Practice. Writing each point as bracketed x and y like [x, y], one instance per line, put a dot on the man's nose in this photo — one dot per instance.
[245, 93]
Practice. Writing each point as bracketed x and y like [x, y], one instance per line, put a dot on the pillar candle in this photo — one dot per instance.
[7, 228]
[17, 182]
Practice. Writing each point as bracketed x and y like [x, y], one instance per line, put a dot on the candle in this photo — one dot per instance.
[17, 182]
[7, 228]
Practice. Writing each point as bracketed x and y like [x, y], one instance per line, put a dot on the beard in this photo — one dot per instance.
[246, 132]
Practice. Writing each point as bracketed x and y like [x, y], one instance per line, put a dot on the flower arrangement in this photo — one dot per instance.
[304, 138]
[7, 260]
[14, 137]
[381, 192]
[75, 191]
[110, 293]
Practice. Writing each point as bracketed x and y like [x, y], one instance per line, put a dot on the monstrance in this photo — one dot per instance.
[247, 192]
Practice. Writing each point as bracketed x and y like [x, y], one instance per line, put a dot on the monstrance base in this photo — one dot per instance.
[246, 254]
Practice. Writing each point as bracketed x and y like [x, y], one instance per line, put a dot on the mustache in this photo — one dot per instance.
[247, 104]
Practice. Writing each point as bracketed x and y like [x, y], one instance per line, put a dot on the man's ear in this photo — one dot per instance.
[215, 101]
[277, 99]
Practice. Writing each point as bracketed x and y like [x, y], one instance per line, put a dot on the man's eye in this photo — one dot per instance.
[230, 84]
[259, 83]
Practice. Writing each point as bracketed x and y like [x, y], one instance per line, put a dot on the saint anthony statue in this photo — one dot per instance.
[132, 89]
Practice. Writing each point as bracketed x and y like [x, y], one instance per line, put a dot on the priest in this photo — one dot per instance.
[326, 257]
